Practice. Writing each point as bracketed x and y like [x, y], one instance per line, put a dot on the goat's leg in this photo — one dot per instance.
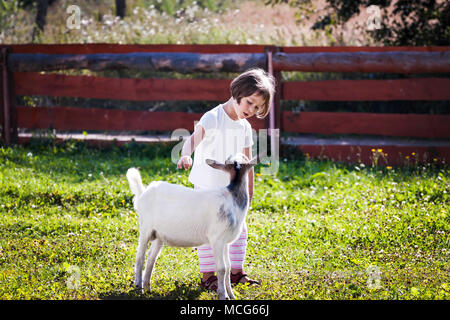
[154, 251]
[219, 257]
[140, 256]
[227, 272]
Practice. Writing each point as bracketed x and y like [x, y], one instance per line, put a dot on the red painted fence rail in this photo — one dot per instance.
[324, 123]
[58, 85]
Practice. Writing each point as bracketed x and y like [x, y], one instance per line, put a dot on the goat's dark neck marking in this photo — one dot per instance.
[235, 187]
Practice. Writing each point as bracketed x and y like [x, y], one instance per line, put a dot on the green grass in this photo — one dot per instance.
[317, 230]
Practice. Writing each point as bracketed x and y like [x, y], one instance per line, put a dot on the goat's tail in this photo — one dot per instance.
[135, 182]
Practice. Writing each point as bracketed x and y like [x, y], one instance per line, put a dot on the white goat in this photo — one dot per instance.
[183, 217]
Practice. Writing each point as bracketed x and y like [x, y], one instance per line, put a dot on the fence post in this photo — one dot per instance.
[9, 112]
[270, 52]
[274, 121]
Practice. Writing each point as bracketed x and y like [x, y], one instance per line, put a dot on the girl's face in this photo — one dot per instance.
[249, 106]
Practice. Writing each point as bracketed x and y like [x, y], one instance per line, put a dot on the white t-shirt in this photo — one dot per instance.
[223, 137]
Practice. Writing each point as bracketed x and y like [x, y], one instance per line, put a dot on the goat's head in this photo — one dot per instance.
[238, 165]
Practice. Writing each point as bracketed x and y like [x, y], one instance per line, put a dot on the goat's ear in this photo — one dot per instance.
[251, 163]
[220, 166]
[255, 160]
[215, 164]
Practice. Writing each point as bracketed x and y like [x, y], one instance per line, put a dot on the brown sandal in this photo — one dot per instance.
[236, 278]
[210, 283]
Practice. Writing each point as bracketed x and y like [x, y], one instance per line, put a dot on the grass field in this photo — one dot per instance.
[317, 230]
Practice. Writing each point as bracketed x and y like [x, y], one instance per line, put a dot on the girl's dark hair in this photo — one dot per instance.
[254, 81]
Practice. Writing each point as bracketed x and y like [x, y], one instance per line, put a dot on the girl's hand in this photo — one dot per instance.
[184, 162]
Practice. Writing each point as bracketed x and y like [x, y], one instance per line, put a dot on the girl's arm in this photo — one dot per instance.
[189, 146]
[248, 153]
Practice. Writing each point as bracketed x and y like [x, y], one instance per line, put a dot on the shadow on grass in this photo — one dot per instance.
[182, 291]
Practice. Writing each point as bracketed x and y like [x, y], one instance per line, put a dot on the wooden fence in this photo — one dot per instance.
[21, 66]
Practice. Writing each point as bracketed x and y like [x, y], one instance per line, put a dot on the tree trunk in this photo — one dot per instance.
[41, 14]
[40, 17]
[121, 8]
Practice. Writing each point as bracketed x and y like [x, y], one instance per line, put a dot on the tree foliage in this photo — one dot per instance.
[403, 22]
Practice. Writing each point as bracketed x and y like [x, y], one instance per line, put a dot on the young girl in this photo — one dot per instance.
[221, 132]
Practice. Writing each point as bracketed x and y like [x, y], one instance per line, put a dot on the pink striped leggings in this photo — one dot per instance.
[236, 251]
